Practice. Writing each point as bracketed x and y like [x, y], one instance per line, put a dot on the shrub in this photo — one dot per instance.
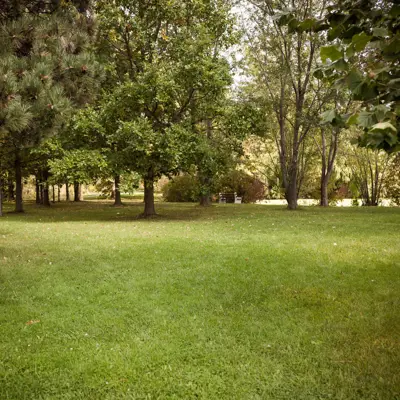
[187, 188]
[392, 181]
[248, 187]
[183, 188]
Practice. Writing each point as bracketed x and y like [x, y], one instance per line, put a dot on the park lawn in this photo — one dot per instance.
[229, 302]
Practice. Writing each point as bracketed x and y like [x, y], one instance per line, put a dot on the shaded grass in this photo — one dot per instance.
[229, 302]
[138, 195]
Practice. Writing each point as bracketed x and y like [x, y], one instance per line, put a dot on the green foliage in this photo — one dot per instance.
[332, 117]
[284, 48]
[47, 70]
[369, 170]
[331, 53]
[248, 187]
[149, 151]
[14, 9]
[188, 187]
[182, 188]
[392, 181]
[363, 60]
[79, 165]
[129, 182]
[167, 77]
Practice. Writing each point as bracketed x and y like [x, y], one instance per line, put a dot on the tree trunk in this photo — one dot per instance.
[54, 194]
[117, 197]
[291, 196]
[41, 193]
[324, 191]
[324, 181]
[10, 186]
[37, 185]
[375, 184]
[18, 184]
[149, 208]
[77, 191]
[291, 189]
[58, 193]
[66, 191]
[46, 197]
[205, 200]
[206, 178]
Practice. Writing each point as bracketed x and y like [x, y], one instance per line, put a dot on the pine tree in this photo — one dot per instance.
[46, 70]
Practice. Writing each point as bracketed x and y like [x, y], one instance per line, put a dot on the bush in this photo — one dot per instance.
[248, 187]
[187, 188]
[183, 188]
[392, 181]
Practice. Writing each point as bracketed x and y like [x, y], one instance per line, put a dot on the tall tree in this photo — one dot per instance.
[93, 130]
[331, 128]
[79, 166]
[45, 70]
[219, 138]
[167, 58]
[283, 43]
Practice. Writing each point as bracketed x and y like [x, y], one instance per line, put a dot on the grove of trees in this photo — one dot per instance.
[269, 98]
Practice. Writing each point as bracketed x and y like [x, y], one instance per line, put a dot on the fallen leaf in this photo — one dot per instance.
[33, 321]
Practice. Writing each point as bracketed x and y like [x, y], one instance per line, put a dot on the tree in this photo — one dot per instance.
[328, 155]
[219, 137]
[331, 128]
[363, 59]
[93, 129]
[369, 169]
[167, 63]
[262, 161]
[283, 48]
[39, 161]
[79, 166]
[148, 151]
[45, 71]
[14, 9]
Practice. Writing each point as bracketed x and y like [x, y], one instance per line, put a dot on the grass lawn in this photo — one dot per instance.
[230, 302]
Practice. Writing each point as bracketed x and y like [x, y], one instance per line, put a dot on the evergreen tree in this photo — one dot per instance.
[45, 71]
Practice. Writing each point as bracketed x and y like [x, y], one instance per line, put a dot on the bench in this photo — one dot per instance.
[229, 198]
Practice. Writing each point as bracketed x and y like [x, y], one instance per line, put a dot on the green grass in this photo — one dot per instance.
[230, 302]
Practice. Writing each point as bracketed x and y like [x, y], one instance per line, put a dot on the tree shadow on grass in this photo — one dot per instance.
[104, 211]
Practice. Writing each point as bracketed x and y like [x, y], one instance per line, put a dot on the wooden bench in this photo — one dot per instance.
[229, 198]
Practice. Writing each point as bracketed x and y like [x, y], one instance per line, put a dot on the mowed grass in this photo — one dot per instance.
[229, 302]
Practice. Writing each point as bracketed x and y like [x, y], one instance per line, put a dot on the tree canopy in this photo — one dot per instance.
[364, 59]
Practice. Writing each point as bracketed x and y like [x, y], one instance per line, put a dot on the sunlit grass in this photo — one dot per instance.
[229, 302]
